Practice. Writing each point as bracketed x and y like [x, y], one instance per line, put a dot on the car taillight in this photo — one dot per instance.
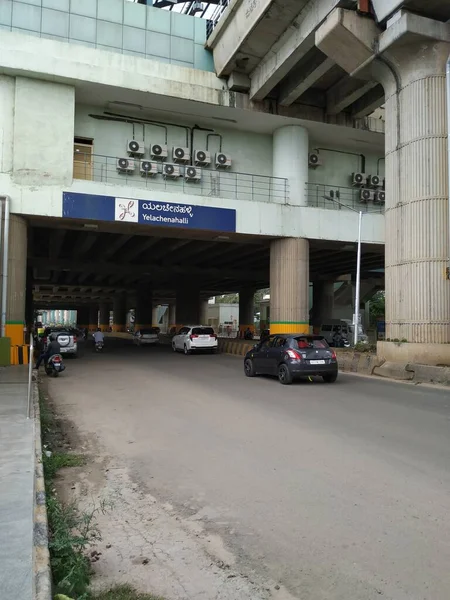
[74, 339]
[214, 336]
[193, 336]
[333, 355]
[293, 354]
[44, 340]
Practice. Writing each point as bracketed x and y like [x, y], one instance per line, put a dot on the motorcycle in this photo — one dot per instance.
[54, 365]
[99, 346]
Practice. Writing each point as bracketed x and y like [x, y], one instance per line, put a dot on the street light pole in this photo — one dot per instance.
[356, 315]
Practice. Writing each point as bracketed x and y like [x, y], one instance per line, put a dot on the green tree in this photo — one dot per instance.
[377, 306]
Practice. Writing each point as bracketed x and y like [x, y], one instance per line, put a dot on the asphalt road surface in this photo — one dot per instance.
[336, 491]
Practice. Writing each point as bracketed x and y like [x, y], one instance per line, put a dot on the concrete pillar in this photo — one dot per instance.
[172, 316]
[203, 312]
[417, 227]
[246, 310]
[13, 314]
[323, 302]
[83, 317]
[104, 316]
[289, 286]
[290, 160]
[155, 318]
[188, 306]
[143, 316]
[119, 313]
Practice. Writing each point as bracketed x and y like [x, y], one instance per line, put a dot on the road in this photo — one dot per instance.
[336, 491]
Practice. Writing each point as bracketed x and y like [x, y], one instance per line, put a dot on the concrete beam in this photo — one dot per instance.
[304, 78]
[348, 38]
[346, 92]
[290, 48]
[366, 105]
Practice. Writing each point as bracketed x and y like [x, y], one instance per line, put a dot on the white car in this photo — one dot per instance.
[146, 336]
[195, 338]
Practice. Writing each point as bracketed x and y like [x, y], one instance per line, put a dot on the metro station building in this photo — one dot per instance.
[149, 156]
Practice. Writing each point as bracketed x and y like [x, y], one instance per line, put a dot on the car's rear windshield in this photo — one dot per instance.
[152, 331]
[310, 342]
[203, 331]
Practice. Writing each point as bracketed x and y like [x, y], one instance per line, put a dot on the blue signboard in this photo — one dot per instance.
[148, 212]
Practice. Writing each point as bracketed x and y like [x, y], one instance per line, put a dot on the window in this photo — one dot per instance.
[82, 160]
[310, 342]
[203, 331]
[279, 342]
[183, 331]
[266, 343]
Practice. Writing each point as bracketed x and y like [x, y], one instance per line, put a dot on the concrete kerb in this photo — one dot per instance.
[41, 555]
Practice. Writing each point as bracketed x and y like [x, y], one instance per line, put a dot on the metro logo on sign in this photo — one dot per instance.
[127, 211]
[148, 212]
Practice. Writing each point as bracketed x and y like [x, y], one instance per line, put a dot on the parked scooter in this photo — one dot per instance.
[55, 365]
[99, 346]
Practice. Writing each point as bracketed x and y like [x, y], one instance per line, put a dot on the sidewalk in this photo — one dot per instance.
[16, 486]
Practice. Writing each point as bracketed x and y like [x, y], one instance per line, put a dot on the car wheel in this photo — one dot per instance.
[249, 368]
[284, 375]
[331, 378]
[186, 350]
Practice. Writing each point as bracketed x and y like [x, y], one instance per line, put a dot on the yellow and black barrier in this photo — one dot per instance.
[20, 355]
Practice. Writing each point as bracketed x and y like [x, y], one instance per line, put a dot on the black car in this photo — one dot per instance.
[292, 356]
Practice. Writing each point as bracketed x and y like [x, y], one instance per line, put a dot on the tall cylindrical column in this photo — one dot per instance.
[188, 306]
[143, 311]
[17, 281]
[83, 317]
[104, 316]
[203, 312]
[323, 302]
[155, 316]
[172, 315]
[119, 313]
[290, 160]
[289, 286]
[417, 195]
[246, 310]
[93, 317]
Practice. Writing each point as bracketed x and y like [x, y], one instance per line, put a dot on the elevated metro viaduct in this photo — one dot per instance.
[279, 211]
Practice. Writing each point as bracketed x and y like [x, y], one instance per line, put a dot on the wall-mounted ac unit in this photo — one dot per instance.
[125, 165]
[359, 179]
[202, 158]
[192, 174]
[380, 197]
[374, 180]
[135, 148]
[158, 151]
[366, 195]
[181, 155]
[223, 161]
[314, 160]
[148, 168]
[171, 171]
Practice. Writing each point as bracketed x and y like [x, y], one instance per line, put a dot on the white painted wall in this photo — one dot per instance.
[7, 94]
[250, 152]
[43, 132]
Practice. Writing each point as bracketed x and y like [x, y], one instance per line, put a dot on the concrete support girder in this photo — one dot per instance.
[345, 93]
[115, 246]
[292, 46]
[366, 105]
[304, 78]
[140, 247]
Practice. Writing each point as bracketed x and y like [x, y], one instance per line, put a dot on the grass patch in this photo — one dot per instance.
[123, 592]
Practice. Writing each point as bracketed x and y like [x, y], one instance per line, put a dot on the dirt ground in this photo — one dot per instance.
[145, 542]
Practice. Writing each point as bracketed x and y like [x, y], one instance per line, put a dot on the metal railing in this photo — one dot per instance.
[215, 17]
[30, 377]
[214, 183]
[319, 194]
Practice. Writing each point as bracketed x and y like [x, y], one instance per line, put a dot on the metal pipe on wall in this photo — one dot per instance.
[447, 73]
[5, 263]
[361, 156]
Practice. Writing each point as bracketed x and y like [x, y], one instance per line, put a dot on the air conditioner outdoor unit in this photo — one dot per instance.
[171, 171]
[192, 174]
[223, 161]
[359, 179]
[181, 155]
[380, 197]
[314, 160]
[374, 180]
[135, 148]
[202, 157]
[125, 165]
[148, 168]
[158, 151]
[366, 195]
